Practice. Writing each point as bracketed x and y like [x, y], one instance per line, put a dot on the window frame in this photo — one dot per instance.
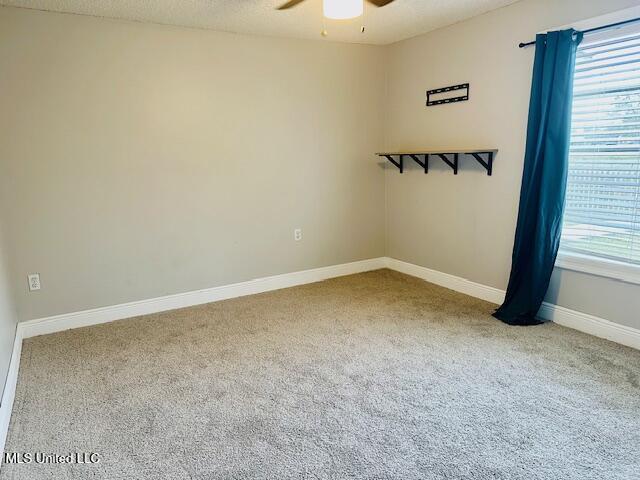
[592, 264]
[599, 266]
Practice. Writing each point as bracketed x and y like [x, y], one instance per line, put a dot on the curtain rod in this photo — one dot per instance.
[591, 30]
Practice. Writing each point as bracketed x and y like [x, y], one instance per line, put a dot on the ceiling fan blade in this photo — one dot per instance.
[380, 3]
[289, 4]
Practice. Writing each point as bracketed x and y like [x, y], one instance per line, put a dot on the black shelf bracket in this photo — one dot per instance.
[488, 164]
[454, 164]
[399, 163]
[425, 164]
[451, 158]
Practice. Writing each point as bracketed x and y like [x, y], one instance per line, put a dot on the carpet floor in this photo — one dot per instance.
[371, 376]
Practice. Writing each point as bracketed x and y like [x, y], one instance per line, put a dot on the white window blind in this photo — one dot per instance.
[602, 210]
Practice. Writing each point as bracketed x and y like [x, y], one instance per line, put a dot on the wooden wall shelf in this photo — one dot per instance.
[449, 156]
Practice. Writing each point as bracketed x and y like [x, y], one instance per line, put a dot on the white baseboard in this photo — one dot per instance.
[596, 326]
[561, 315]
[462, 285]
[96, 316]
[583, 322]
[10, 389]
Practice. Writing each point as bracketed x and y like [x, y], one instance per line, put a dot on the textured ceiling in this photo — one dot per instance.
[397, 21]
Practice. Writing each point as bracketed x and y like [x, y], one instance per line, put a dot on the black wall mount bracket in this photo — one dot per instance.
[440, 96]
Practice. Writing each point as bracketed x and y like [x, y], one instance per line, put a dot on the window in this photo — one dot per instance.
[602, 211]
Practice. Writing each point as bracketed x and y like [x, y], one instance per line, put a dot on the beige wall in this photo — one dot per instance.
[8, 317]
[464, 225]
[142, 160]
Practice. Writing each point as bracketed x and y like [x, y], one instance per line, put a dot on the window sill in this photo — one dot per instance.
[601, 267]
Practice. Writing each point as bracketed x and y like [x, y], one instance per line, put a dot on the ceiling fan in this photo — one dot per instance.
[340, 9]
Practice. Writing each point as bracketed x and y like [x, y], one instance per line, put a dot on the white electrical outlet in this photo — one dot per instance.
[34, 282]
[297, 234]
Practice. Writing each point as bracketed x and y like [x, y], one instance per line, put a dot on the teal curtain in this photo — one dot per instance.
[544, 178]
